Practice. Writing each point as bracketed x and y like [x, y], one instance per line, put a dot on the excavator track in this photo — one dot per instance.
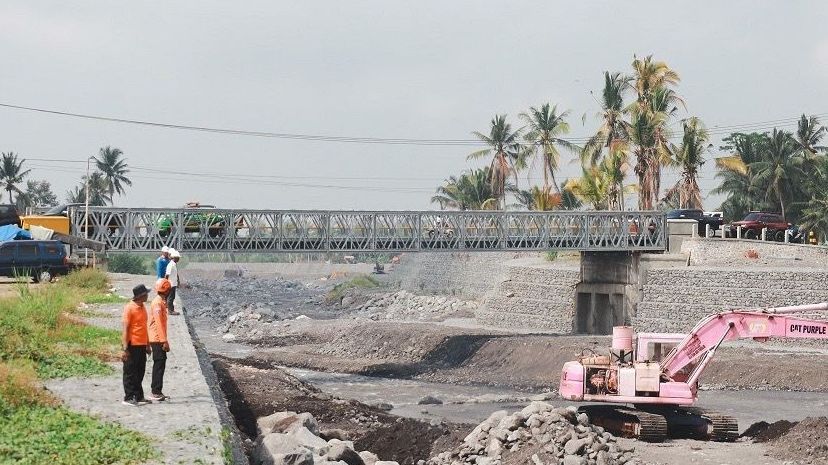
[697, 423]
[628, 422]
[725, 427]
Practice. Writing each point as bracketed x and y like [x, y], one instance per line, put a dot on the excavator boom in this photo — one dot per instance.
[759, 324]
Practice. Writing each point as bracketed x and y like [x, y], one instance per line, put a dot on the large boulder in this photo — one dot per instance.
[265, 424]
[339, 451]
[368, 458]
[281, 449]
[292, 422]
[307, 439]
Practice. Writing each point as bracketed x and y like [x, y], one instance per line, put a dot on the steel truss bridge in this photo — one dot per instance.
[286, 231]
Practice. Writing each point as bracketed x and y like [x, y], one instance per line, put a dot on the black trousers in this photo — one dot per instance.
[134, 369]
[171, 299]
[159, 363]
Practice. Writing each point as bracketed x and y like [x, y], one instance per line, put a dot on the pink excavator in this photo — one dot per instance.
[660, 378]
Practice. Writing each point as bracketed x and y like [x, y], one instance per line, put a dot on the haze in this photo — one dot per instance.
[435, 70]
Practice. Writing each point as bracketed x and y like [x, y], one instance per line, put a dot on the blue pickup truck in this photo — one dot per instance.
[40, 260]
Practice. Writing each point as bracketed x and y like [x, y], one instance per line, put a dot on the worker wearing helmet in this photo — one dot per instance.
[162, 261]
[159, 344]
[172, 275]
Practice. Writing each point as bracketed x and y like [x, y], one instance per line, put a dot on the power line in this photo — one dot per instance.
[716, 129]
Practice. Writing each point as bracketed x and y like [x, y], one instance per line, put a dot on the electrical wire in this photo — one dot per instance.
[716, 129]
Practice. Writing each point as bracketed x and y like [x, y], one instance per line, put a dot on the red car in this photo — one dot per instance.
[754, 222]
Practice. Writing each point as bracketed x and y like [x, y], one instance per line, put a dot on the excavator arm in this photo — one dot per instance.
[760, 324]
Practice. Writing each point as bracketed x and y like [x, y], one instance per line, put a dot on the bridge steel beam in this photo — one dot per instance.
[275, 231]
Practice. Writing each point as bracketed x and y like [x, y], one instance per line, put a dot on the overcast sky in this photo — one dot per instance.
[428, 69]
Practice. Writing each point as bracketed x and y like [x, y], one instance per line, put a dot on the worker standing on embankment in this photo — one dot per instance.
[172, 275]
[135, 342]
[161, 262]
[158, 338]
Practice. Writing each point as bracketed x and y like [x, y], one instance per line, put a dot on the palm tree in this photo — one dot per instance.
[505, 151]
[655, 104]
[12, 173]
[612, 125]
[114, 169]
[780, 169]
[809, 133]
[539, 198]
[689, 156]
[592, 187]
[737, 177]
[98, 191]
[545, 126]
[470, 191]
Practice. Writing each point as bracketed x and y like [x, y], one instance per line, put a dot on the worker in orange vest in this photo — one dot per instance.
[158, 338]
[135, 343]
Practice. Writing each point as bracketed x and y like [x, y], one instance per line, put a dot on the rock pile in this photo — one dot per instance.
[541, 434]
[273, 298]
[404, 305]
[288, 438]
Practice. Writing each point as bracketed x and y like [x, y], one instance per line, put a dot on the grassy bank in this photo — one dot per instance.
[338, 292]
[42, 337]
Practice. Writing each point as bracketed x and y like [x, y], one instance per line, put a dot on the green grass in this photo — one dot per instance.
[130, 263]
[227, 446]
[362, 281]
[41, 337]
[36, 435]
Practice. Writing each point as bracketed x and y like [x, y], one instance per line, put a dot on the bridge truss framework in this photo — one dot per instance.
[274, 231]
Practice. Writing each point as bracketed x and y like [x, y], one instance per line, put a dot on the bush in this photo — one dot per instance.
[128, 263]
[363, 281]
[87, 279]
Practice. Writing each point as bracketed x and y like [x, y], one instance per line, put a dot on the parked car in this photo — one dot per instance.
[753, 224]
[8, 215]
[703, 219]
[40, 260]
[201, 220]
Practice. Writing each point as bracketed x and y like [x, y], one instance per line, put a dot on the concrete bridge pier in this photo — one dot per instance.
[608, 291]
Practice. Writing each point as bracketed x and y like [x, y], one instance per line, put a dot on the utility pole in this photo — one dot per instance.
[86, 213]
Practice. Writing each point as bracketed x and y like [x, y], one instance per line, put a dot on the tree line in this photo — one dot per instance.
[777, 171]
[109, 178]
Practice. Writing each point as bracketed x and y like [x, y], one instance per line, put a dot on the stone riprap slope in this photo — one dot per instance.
[674, 300]
[469, 275]
[534, 295]
[405, 306]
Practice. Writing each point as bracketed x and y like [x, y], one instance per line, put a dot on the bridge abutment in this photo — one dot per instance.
[608, 291]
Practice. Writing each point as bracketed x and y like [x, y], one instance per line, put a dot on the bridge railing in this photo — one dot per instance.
[148, 229]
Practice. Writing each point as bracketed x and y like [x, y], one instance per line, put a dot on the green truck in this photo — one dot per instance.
[198, 219]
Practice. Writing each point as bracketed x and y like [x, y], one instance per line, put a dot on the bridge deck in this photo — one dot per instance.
[224, 230]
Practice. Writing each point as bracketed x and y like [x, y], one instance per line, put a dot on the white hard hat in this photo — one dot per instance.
[165, 249]
[174, 253]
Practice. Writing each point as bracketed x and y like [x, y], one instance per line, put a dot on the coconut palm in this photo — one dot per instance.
[98, 191]
[505, 151]
[114, 169]
[539, 198]
[469, 191]
[689, 156]
[12, 173]
[737, 177]
[593, 187]
[809, 133]
[780, 170]
[612, 125]
[655, 103]
[544, 128]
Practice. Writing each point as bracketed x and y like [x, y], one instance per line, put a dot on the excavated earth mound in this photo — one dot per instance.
[806, 442]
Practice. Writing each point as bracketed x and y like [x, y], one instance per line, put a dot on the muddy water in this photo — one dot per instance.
[473, 404]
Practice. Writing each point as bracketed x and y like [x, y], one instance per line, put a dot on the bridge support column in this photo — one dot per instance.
[608, 291]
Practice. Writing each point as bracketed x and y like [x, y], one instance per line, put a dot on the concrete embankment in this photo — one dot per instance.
[187, 428]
